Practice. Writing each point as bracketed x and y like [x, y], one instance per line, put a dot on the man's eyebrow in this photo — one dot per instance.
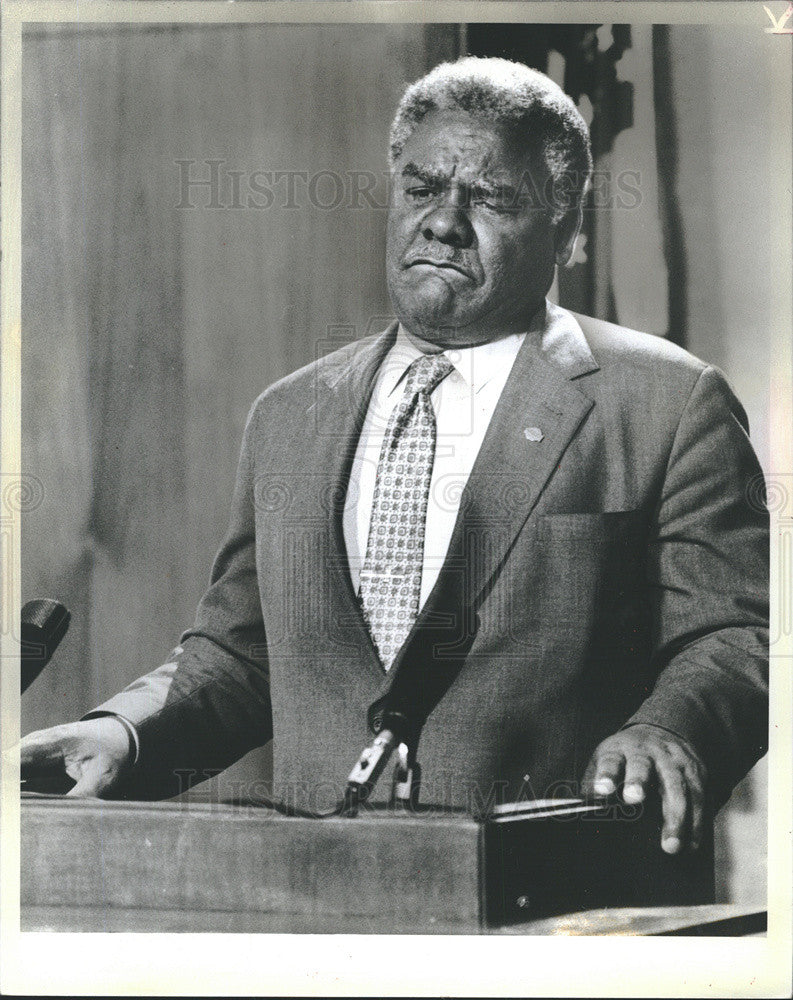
[431, 175]
[434, 175]
[494, 187]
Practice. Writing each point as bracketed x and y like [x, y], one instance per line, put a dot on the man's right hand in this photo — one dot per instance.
[94, 754]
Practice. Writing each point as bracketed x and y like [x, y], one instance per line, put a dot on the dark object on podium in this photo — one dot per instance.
[43, 624]
[89, 865]
[572, 856]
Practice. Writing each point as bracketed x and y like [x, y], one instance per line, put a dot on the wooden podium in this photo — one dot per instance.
[90, 865]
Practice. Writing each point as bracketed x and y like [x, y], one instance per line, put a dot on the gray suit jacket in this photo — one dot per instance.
[614, 572]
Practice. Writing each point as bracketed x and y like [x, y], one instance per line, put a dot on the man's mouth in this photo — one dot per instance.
[440, 263]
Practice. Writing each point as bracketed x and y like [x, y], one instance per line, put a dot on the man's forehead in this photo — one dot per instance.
[465, 146]
[462, 168]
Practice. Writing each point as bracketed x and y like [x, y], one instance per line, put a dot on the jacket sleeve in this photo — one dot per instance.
[708, 564]
[210, 703]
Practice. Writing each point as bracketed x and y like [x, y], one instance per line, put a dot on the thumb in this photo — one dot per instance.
[95, 778]
[589, 774]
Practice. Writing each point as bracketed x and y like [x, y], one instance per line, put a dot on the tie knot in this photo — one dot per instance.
[427, 372]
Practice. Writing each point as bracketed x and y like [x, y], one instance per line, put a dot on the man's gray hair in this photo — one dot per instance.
[512, 94]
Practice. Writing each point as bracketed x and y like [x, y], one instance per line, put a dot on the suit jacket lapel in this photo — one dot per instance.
[512, 467]
[343, 391]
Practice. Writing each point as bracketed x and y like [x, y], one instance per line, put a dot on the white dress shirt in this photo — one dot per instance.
[463, 403]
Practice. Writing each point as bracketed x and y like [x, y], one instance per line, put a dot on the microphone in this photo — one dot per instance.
[372, 763]
[44, 624]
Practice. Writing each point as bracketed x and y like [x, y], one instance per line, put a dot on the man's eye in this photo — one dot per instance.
[419, 193]
[494, 202]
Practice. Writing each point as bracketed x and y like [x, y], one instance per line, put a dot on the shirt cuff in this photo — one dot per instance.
[132, 732]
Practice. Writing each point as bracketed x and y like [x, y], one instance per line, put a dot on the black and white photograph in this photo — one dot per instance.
[397, 499]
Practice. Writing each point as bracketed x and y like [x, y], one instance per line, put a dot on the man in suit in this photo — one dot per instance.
[526, 532]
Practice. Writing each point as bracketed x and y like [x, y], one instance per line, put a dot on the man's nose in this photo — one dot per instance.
[449, 223]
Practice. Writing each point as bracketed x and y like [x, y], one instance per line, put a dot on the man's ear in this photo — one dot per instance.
[567, 230]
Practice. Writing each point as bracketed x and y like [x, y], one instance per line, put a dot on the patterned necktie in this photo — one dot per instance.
[391, 573]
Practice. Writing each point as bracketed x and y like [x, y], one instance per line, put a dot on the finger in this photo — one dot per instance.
[696, 803]
[93, 779]
[609, 771]
[694, 776]
[639, 773]
[41, 752]
[674, 805]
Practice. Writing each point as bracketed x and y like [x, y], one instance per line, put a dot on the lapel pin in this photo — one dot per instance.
[533, 434]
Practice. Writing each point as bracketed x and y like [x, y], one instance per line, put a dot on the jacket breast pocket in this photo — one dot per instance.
[593, 575]
[605, 525]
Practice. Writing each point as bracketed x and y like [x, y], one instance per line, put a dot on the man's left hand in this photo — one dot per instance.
[642, 757]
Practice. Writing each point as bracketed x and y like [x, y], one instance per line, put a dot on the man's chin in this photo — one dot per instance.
[435, 310]
[436, 326]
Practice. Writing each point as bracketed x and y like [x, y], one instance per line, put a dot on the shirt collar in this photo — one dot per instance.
[475, 365]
